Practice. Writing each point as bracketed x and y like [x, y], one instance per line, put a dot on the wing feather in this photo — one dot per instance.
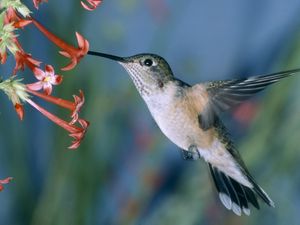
[224, 95]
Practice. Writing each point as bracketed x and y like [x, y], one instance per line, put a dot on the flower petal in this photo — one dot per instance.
[47, 88]
[71, 65]
[56, 80]
[49, 69]
[65, 54]
[83, 44]
[39, 74]
[21, 23]
[79, 101]
[35, 86]
[20, 110]
[78, 136]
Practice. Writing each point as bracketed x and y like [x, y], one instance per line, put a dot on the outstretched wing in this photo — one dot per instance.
[226, 94]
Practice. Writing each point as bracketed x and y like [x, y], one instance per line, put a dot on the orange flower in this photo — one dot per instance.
[19, 110]
[22, 58]
[69, 51]
[18, 93]
[74, 131]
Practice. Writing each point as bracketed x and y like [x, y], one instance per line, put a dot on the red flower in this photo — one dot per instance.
[20, 110]
[93, 4]
[75, 54]
[4, 181]
[74, 131]
[12, 17]
[69, 51]
[22, 58]
[46, 79]
[74, 107]
[78, 103]
[79, 135]
[37, 2]
[18, 93]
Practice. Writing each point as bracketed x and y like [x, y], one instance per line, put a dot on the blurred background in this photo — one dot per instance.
[126, 171]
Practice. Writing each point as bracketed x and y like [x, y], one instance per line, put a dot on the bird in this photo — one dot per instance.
[188, 115]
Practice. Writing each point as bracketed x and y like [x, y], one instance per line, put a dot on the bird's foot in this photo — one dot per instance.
[191, 154]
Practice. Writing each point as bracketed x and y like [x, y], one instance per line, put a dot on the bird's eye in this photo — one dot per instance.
[148, 62]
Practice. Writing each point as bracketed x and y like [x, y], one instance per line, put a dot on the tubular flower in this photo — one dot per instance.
[74, 107]
[46, 79]
[4, 181]
[74, 131]
[78, 103]
[22, 58]
[19, 110]
[18, 93]
[93, 4]
[69, 51]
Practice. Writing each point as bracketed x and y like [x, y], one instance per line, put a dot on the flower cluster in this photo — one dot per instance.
[14, 17]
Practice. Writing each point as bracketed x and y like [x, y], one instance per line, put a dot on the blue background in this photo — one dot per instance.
[126, 171]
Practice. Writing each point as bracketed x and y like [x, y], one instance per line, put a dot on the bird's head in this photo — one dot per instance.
[149, 72]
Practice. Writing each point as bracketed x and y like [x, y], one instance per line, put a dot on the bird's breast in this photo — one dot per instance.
[177, 117]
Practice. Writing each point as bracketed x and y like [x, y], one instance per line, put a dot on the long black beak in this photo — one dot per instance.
[108, 56]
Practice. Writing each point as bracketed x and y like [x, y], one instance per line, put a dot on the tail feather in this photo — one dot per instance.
[260, 192]
[236, 196]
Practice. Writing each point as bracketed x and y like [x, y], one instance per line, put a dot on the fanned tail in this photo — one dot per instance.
[236, 196]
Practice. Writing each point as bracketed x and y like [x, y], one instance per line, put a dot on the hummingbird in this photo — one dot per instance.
[188, 115]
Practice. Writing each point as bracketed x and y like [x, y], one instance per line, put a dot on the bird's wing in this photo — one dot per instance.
[224, 95]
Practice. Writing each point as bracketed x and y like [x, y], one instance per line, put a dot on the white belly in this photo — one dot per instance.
[174, 125]
[175, 119]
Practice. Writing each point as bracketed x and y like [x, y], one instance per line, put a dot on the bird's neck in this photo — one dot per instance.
[166, 95]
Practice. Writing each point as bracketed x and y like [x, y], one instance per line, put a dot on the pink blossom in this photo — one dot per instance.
[46, 79]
